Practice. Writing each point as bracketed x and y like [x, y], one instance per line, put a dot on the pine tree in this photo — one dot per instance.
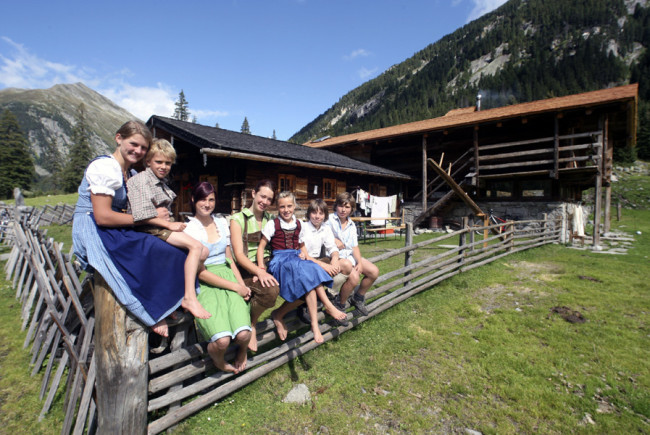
[79, 154]
[245, 128]
[52, 161]
[16, 163]
[216, 124]
[643, 135]
[194, 120]
[274, 136]
[181, 112]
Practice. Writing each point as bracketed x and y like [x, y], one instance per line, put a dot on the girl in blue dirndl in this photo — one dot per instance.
[145, 273]
[299, 279]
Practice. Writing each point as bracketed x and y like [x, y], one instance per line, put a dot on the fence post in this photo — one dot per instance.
[510, 228]
[462, 239]
[472, 237]
[408, 255]
[544, 225]
[122, 354]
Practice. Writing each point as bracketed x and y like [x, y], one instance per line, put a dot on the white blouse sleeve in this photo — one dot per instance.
[269, 229]
[104, 176]
[195, 230]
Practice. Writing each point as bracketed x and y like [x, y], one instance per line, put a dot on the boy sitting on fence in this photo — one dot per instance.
[318, 239]
[351, 261]
[147, 191]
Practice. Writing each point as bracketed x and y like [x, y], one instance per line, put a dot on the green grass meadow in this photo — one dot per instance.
[483, 350]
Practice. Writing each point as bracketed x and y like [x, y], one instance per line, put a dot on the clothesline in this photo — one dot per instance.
[376, 206]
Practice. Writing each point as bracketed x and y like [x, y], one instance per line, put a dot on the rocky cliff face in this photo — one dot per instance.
[47, 114]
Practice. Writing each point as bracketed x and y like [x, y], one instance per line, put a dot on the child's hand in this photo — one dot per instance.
[302, 256]
[357, 267]
[339, 244]
[331, 270]
[243, 291]
[266, 279]
[177, 226]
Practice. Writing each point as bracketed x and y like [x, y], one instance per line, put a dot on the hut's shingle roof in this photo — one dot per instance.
[204, 136]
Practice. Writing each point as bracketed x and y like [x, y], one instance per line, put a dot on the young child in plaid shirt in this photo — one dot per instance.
[147, 191]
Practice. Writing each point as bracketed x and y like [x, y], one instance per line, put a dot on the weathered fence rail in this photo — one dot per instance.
[58, 313]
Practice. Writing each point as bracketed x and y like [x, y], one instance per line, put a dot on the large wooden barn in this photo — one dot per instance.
[520, 160]
[234, 163]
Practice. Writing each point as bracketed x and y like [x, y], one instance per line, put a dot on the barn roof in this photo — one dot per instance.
[213, 140]
[469, 116]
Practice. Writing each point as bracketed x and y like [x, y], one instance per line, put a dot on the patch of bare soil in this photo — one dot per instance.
[541, 271]
[571, 316]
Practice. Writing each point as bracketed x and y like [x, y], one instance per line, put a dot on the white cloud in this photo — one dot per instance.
[357, 53]
[25, 70]
[142, 101]
[22, 69]
[364, 73]
[482, 7]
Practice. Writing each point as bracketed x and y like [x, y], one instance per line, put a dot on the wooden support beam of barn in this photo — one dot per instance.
[281, 161]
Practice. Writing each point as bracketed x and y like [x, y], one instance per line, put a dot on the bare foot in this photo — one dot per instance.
[337, 314]
[195, 307]
[241, 359]
[225, 367]
[252, 344]
[318, 337]
[161, 328]
[279, 326]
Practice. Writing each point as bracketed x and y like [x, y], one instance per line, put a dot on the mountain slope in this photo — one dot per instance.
[523, 51]
[46, 114]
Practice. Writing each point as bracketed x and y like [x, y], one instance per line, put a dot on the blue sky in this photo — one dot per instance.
[280, 63]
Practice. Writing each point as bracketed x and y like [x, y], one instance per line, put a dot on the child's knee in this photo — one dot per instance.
[353, 277]
[243, 337]
[222, 343]
[371, 271]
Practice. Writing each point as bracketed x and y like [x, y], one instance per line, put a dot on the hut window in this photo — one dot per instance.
[286, 182]
[499, 189]
[536, 188]
[329, 188]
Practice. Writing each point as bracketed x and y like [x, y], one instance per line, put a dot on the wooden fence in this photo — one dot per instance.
[57, 311]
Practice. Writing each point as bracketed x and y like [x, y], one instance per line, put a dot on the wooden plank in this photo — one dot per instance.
[79, 378]
[51, 341]
[63, 363]
[456, 188]
[27, 306]
[516, 154]
[86, 399]
[517, 164]
[34, 322]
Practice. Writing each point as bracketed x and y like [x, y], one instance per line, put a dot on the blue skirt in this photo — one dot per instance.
[152, 268]
[296, 277]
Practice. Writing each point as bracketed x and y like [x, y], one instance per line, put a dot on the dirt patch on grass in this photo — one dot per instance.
[519, 289]
[540, 271]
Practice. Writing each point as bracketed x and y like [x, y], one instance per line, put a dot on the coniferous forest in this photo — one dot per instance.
[544, 48]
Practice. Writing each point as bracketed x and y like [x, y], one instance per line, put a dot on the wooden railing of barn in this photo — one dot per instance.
[58, 314]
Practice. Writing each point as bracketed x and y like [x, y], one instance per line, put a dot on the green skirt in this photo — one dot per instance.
[230, 312]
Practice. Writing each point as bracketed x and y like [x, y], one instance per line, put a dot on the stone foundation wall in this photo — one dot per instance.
[555, 210]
